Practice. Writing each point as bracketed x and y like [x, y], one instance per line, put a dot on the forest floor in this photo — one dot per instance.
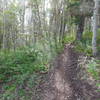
[63, 82]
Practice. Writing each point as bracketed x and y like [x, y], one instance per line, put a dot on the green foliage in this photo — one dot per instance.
[18, 63]
[17, 68]
[87, 35]
[68, 39]
[76, 20]
[74, 3]
[98, 85]
[94, 71]
[16, 90]
[94, 68]
[85, 45]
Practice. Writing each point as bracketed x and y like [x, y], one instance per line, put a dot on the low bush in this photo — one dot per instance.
[68, 39]
[18, 63]
[85, 45]
[18, 67]
[94, 68]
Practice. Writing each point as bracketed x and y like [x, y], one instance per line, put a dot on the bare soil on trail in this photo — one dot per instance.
[63, 82]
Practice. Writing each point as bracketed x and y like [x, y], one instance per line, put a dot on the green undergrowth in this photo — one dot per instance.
[94, 71]
[23, 70]
[93, 64]
[94, 68]
[18, 63]
[68, 39]
[85, 45]
[20, 68]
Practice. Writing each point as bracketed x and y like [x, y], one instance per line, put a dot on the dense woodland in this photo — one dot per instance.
[34, 32]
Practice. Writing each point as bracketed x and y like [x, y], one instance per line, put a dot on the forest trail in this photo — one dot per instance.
[63, 82]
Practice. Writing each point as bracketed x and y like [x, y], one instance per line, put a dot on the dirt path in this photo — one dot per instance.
[63, 82]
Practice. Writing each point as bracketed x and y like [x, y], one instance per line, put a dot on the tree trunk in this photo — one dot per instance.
[95, 25]
[23, 17]
[4, 33]
[80, 28]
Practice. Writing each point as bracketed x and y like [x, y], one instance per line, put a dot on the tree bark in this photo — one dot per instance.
[80, 28]
[4, 33]
[95, 27]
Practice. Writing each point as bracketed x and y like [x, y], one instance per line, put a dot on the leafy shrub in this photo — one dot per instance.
[68, 39]
[17, 68]
[87, 37]
[94, 68]
[83, 47]
[18, 63]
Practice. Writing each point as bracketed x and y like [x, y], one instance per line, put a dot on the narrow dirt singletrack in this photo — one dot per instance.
[63, 82]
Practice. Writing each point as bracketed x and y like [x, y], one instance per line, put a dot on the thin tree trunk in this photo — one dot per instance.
[80, 28]
[23, 17]
[4, 35]
[95, 19]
